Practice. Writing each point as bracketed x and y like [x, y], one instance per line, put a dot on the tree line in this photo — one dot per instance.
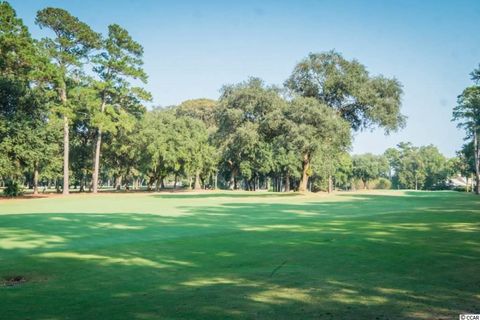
[467, 116]
[405, 167]
[73, 115]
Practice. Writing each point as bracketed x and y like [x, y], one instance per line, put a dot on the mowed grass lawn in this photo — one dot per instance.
[390, 255]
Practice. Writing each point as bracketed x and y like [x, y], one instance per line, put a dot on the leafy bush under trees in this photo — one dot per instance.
[383, 184]
[12, 189]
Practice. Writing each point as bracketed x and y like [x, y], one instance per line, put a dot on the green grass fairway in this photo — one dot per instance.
[390, 255]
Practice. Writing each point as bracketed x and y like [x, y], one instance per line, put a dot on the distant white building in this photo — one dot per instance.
[460, 181]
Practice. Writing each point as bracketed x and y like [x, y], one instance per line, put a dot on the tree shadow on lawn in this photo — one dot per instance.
[226, 194]
[374, 257]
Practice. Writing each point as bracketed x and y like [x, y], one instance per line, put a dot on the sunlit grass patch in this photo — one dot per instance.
[221, 255]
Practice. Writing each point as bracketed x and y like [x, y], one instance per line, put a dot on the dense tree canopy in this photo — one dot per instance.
[27, 139]
[201, 109]
[316, 129]
[255, 136]
[368, 167]
[347, 87]
[244, 129]
[418, 167]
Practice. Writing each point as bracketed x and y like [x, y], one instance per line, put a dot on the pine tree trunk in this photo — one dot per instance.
[134, 183]
[197, 185]
[66, 141]
[118, 183]
[477, 160]
[96, 162]
[303, 186]
[189, 183]
[35, 180]
[162, 182]
[330, 184]
[66, 150]
[471, 183]
[80, 183]
[287, 182]
[215, 180]
[231, 183]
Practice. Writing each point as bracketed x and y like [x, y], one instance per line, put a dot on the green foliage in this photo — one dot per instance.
[119, 61]
[201, 109]
[467, 114]
[343, 170]
[315, 127]
[17, 49]
[475, 75]
[254, 135]
[244, 131]
[467, 111]
[68, 50]
[418, 167]
[346, 86]
[27, 137]
[383, 184]
[173, 145]
[374, 184]
[465, 164]
[12, 189]
[368, 167]
[73, 38]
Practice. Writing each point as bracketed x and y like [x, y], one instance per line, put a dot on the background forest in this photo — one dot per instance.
[73, 113]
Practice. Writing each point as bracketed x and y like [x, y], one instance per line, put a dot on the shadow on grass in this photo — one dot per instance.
[367, 256]
[226, 194]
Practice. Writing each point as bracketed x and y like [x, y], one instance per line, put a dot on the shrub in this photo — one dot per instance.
[319, 185]
[359, 185]
[12, 189]
[383, 183]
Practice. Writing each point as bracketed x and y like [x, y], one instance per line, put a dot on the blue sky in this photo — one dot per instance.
[192, 48]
